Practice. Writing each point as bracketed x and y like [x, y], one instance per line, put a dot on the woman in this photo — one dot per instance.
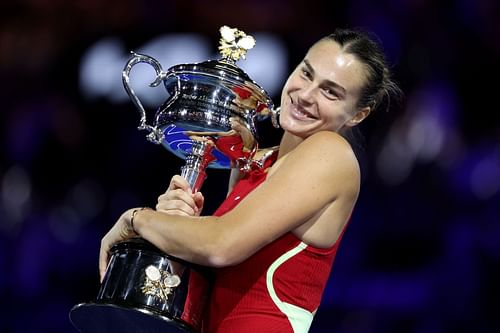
[274, 239]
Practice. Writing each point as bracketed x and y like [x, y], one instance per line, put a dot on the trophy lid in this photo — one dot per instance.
[233, 46]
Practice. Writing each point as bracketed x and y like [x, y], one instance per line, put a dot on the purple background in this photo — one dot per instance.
[421, 254]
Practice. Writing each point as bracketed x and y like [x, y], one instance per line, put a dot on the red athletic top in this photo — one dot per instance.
[275, 290]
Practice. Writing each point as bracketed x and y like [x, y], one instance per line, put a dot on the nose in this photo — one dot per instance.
[306, 95]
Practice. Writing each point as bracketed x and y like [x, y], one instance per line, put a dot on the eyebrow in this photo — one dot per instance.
[329, 83]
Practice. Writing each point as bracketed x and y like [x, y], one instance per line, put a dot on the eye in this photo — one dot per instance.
[330, 93]
[306, 73]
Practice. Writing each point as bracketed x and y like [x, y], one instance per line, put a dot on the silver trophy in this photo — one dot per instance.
[209, 121]
[209, 116]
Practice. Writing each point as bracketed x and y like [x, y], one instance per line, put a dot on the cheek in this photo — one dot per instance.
[335, 116]
[287, 88]
[292, 83]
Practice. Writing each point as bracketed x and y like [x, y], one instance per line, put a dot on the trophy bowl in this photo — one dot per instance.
[205, 99]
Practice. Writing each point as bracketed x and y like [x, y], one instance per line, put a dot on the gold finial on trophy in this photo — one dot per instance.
[234, 43]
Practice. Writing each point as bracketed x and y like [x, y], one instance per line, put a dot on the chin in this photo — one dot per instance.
[293, 128]
[296, 132]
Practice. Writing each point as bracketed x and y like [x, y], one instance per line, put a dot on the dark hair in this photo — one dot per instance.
[379, 88]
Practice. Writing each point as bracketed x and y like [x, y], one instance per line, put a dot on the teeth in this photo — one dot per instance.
[303, 112]
[300, 110]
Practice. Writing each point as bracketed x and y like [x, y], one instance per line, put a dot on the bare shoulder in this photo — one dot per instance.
[326, 161]
[327, 142]
[327, 151]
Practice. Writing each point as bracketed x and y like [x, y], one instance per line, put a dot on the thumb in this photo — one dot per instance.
[199, 200]
[178, 182]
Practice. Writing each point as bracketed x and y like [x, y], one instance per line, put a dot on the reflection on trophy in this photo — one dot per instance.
[208, 120]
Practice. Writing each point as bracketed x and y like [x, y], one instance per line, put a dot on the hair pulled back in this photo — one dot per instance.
[379, 88]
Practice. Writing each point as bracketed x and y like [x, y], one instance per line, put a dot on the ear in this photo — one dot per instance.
[359, 116]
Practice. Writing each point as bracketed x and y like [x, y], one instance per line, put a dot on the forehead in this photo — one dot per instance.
[331, 63]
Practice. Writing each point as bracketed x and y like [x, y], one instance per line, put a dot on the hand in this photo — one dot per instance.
[178, 199]
[121, 231]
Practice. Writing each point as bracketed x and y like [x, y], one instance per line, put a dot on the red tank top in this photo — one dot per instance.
[277, 289]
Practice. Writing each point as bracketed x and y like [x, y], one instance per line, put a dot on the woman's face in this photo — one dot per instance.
[322, 92]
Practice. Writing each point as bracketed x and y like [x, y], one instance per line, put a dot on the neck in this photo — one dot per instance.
[288, 143]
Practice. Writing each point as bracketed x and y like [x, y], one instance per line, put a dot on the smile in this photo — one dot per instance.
[300, 112]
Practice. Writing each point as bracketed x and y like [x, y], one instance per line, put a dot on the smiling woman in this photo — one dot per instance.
[273, 241]
[322, 93]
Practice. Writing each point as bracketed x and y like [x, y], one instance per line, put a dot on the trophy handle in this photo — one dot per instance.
[155, 134]
[275, 114]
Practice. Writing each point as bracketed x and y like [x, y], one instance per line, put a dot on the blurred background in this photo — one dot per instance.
[421, 254]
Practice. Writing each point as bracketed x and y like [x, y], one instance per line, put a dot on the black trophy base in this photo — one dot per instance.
[111, 318]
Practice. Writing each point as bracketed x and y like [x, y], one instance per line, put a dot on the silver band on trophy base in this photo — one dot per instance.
[208, 120]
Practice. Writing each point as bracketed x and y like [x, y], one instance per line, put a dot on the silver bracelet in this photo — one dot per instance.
[132, 219]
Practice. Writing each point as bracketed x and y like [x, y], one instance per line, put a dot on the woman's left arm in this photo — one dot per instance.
[322, 169]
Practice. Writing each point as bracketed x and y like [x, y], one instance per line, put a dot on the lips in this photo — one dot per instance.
[299, 112]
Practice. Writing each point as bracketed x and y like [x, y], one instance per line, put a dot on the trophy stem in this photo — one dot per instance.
[196, 163]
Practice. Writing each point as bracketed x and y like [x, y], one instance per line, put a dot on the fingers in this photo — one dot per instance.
[103, 260]
[179, 200]
[121, 231]
[199, 200]
[178, 182]
[176, 201]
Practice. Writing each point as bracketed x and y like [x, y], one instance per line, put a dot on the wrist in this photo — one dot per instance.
[133, 219]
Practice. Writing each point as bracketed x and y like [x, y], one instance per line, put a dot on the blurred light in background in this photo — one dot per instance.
[169, 50]
[83, 203]
[421, 135]
[102, 64]
[485, 175]
[267, 63]
[16, 196]
[428, 134]
[65, 224]
[100, 70]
